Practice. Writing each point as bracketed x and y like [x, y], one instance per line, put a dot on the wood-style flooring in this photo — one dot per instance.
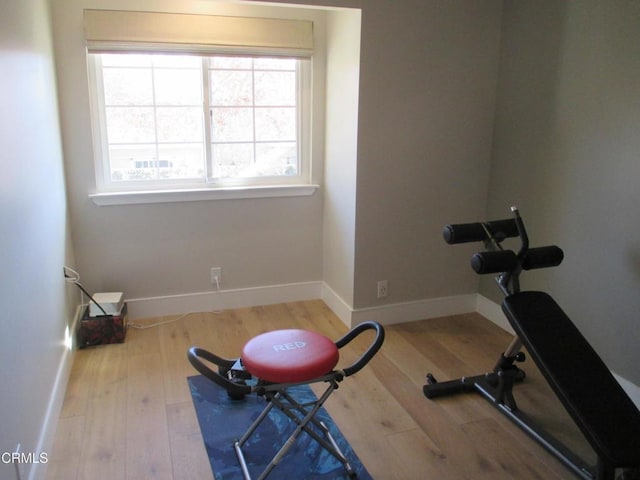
[128, 413]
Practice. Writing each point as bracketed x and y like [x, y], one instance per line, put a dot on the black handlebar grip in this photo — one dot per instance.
[463, 233]
[542, 257]
[475, 232]
[494, 262]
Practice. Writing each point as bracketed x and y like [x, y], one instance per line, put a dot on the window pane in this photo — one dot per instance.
[230, 87]
[232, 124]
[130, 125]
[178, 87]
[179, 124]
[126, 161]
[231, 160]
[139, 162]
[128, 86]
[275, 88]
[155, 121]
[272, 159]
[275, 124]
[181, 161]
[276, 159]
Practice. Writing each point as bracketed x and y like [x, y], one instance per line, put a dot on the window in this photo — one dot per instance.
[217, 120]
[192, 103]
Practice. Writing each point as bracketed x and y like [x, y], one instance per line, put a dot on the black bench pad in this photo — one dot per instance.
[602, 410]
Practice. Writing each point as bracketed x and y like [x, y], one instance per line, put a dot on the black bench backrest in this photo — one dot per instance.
[602, 410]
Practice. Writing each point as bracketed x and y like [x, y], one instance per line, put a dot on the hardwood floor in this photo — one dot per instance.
[128, 413]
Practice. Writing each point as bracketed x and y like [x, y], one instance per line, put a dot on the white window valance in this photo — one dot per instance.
[115, 30]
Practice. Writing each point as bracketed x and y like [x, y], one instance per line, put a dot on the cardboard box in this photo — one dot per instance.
[102, 330]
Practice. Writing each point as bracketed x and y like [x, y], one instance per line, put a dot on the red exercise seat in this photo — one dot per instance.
[289, 356]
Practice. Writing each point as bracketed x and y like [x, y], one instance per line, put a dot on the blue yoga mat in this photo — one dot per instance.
[223, 421]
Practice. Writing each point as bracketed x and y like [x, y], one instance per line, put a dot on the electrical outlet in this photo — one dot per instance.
[216, 275]
[382, 288]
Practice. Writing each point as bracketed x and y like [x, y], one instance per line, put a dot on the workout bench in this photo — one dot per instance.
[606, 416]
[273, 362]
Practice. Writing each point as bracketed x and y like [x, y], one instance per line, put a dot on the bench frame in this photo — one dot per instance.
[559, 368]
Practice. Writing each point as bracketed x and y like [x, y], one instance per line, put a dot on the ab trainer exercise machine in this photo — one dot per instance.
[604, 413]
[273, 362]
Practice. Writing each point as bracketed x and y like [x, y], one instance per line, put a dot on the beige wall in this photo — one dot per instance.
[567, 146]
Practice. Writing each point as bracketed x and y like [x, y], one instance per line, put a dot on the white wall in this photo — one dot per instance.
[567, 146]
[35, 243]
[339, 221]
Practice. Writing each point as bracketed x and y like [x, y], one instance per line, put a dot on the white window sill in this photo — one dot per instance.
[195, 195]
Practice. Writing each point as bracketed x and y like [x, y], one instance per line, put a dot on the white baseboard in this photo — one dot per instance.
[221, 300]
[341, 308]
[247, 297]
[416, 310]
[390, 314]
[54, 407]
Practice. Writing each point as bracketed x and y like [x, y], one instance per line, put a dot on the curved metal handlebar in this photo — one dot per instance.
[370, 352]
[194, 355]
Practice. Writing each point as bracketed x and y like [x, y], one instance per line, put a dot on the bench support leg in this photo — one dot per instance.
[497, 388]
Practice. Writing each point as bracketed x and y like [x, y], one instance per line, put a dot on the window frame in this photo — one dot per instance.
[109, 192]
